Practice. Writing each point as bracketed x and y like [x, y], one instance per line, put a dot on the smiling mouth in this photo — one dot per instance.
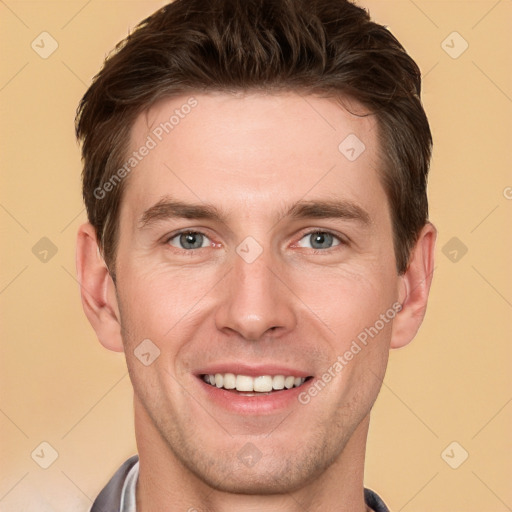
[253, 386]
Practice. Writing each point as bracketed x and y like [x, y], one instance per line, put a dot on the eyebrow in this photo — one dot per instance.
[167, 208]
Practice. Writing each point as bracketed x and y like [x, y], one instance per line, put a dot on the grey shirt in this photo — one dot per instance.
[119, 494]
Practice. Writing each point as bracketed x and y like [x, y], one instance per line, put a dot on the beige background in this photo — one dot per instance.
[59, 386]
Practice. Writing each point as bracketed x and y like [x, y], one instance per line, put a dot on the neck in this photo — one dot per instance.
[164, 482]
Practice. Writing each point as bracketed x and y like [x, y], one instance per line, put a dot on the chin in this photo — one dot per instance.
[258, 480]
[240, 468]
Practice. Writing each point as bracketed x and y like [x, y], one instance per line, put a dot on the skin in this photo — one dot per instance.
[252, 156]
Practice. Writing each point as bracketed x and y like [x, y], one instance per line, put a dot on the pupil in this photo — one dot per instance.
[321, 240]
[191, 240]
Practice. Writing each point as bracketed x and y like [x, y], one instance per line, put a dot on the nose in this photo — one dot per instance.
[256, 300]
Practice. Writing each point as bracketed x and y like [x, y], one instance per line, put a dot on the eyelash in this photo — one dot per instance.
[168, 238]
[343, 241]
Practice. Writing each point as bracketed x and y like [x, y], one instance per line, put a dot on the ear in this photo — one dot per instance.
[414, 288]
[97, 290]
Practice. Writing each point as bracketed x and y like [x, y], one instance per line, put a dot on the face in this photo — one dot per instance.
[251, 245]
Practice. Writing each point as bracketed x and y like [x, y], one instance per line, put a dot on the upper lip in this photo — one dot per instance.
[252, 370]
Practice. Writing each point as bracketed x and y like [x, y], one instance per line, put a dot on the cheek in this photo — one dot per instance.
[347, 299]
[156, 300]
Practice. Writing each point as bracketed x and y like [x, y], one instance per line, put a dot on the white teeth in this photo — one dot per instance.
[247, 384]
[229, 381]
[244, 383]
[278, 382]
[263, 384]
[289, 382]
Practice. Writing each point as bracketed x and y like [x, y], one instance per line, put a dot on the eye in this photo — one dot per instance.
[319, 240]
[189, 240]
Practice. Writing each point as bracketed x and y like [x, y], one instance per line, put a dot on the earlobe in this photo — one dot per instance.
[414, 288]
[97, 290]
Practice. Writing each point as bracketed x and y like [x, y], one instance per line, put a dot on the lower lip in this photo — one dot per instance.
[256, 404]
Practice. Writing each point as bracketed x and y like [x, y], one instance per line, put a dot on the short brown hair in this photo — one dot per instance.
[327, 47]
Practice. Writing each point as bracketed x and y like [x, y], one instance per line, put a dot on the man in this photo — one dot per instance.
[255, 181]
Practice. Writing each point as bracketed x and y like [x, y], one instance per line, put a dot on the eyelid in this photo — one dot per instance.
[167, 238]
[343, 239]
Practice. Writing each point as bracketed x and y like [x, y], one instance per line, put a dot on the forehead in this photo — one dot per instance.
[252, 150]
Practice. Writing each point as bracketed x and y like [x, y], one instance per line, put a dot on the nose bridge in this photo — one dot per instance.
[254, 300]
